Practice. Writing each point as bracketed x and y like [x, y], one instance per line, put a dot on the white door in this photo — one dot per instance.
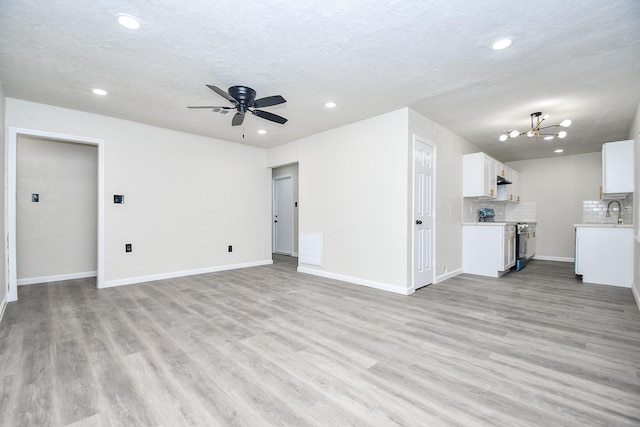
[423, 212]
[283, 216]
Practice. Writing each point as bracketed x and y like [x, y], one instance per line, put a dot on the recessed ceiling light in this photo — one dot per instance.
[559, 150]
[330, 104]
[262, 131]
[128, 21]
[501, 44]
[100, 92]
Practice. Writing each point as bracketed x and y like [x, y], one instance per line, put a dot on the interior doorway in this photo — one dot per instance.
[12, 143]
[285, 211]
[283, 216]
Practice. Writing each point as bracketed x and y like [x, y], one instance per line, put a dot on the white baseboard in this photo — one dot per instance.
[56, 278]
[636, 296]
[449, 275]
[3, 305]
[357, 281]
[553, 258]
[173, 275]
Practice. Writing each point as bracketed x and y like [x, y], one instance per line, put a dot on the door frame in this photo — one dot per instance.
[434, 147]
[11, 202]
[273, 209]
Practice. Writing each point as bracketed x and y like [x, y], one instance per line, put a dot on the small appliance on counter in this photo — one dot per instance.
[486, 215]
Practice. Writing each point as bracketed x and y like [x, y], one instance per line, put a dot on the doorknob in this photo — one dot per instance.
[418, 222]
[275, 220]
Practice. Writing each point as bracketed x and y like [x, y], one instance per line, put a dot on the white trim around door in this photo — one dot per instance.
[423, 212]
[11, 167]
[283, 203]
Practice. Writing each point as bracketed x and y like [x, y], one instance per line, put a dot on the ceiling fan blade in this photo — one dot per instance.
[223, 94]
[269, 116]
[238, 118]
[268, 101]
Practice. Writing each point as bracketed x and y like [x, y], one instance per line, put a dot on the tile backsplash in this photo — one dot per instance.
[595, 211]
[505, 211]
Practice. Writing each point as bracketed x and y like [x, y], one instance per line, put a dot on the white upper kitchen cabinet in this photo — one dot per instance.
[617, 168]
[509, 192]
[479, 173]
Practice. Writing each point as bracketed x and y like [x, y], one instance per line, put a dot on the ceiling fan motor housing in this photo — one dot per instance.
[244, 95]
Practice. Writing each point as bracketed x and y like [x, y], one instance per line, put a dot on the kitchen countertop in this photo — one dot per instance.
[605, 225]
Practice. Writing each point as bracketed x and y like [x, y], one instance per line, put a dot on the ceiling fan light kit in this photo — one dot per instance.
[244, 99]
[537, 129]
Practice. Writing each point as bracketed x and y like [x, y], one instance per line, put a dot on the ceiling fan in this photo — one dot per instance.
[243, 100]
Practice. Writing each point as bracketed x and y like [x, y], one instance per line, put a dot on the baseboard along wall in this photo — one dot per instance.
[56, 278]
[173, 275]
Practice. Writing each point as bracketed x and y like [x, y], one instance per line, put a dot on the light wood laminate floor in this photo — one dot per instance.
[268, 346]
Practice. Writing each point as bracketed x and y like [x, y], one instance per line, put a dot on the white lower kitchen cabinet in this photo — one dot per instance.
[488, 249]
[604, 254]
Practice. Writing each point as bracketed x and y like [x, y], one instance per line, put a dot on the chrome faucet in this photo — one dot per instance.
[619, 211]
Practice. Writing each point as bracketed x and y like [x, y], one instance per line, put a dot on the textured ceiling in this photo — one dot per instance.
[571, 59]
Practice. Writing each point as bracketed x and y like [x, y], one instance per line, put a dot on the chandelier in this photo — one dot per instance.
[546, 132]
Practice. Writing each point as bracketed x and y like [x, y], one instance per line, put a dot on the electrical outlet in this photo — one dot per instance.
[230, 248]
[128, 247]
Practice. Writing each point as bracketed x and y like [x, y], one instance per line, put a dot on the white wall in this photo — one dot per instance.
[558, 186]
[56, 236]
[186, 197]
[353, 189]
[291, 170]
[449, 151]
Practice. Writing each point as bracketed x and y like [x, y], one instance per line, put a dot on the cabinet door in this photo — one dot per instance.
[617, 167]
[473, 181]
[506, 192]
[605, 255]
[515, 186]
[490, 174]
[512, 250]
[509, 247]
[532, 244]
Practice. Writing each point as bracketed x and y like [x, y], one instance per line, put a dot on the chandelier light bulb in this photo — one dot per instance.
[565, 123]
[503, 137]
[514, 133]
[548, 137]
[562, 134]
[530, 133]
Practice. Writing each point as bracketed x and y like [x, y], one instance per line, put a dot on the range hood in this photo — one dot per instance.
[502, 180]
